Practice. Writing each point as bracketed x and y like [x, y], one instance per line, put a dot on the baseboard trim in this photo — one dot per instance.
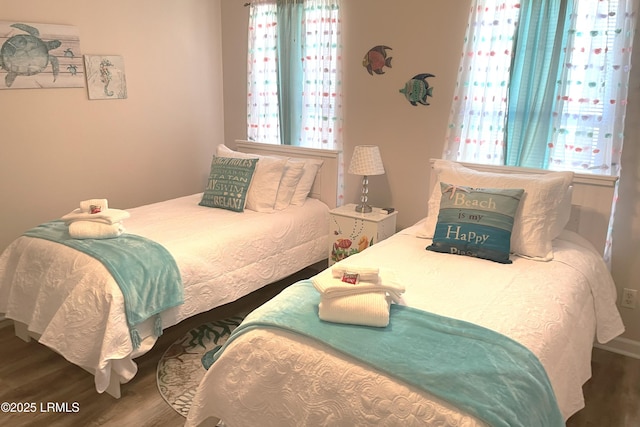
[623, 346]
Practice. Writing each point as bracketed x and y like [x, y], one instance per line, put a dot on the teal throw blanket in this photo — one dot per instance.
[145, 271]
[482, 372]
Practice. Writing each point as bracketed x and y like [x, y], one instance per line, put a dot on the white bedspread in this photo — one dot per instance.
[275, 378]
[75, 305]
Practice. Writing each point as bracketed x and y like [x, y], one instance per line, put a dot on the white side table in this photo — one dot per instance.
[352, 232]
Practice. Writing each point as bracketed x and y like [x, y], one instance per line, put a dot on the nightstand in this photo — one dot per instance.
[352, 232]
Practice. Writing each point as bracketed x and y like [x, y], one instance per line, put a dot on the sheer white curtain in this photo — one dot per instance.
[263, 114]
[322, 69]
[479, 107]
[589, 116]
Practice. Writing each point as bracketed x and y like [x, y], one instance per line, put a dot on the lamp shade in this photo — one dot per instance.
[366, 160]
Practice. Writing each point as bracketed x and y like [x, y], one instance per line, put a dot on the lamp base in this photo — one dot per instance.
[363, 208]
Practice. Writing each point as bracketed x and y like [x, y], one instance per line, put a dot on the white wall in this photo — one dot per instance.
[626, 231]
[57, 147]
[426, 36]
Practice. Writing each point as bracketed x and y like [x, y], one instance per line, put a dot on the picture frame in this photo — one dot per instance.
[37, 56]
[105, 76]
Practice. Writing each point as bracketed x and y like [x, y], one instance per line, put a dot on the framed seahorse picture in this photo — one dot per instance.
[105, 77]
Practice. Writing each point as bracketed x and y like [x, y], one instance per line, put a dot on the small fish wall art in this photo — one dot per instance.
[376, 59]
[417, 89]
[34, 56]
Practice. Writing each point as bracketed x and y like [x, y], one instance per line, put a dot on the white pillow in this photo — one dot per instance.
[293, 171]
[564, 213]
[538, 217]
[311, 167]
[263, 190]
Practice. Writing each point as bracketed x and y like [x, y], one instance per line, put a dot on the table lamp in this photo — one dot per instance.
[366, 161]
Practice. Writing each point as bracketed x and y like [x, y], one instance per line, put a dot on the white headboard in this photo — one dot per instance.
[325, 187]
[592, 199]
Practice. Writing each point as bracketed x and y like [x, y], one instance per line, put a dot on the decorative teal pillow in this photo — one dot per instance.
[476, 222]
[228, 183]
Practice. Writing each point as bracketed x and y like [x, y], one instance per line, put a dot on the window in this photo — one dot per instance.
[294, 74]
[543, 84]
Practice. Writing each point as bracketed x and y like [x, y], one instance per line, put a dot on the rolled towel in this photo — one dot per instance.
[94, 205]
[95, 230]
[367, 274]
[368, 309]
[107, 216]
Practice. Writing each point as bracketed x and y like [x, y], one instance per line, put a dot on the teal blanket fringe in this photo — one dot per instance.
[144, 270]
[484, 373]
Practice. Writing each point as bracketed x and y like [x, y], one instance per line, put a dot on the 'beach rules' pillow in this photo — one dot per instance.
[476, 222]
[228, 183]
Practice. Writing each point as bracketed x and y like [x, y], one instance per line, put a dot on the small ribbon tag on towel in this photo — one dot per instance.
[352, 278]
[94, 209]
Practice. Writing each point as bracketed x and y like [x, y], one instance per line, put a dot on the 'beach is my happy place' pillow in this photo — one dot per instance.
[476, 221]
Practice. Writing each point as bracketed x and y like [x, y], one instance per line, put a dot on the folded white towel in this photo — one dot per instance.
[90, 206]
[368, 309]
[330, 287]
[367, 274]
[107, 216]
[365, 303]
[95, 230]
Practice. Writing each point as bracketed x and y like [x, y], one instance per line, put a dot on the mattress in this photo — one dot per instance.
[556, 309]
[77, 308]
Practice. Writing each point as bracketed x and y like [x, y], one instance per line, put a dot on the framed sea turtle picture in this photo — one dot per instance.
[35, 56]
[105, 77]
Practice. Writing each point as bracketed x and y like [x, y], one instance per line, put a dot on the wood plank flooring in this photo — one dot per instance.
[612, 395]
[31, 373]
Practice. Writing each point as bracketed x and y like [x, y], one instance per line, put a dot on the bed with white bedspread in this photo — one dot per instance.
[71, 303]
[555, 305]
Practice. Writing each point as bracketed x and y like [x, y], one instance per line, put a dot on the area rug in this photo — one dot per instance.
[185, 362]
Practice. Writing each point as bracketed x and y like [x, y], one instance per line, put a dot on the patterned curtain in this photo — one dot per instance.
[479, 107]
[588, 117]
[310, 114]
[322, 68]
[263, 114]
[586, 122]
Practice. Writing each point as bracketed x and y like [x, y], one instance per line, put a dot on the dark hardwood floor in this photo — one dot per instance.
[32, 374]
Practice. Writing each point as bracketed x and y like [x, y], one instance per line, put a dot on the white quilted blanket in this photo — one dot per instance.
[70, 299]
[556, 309]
